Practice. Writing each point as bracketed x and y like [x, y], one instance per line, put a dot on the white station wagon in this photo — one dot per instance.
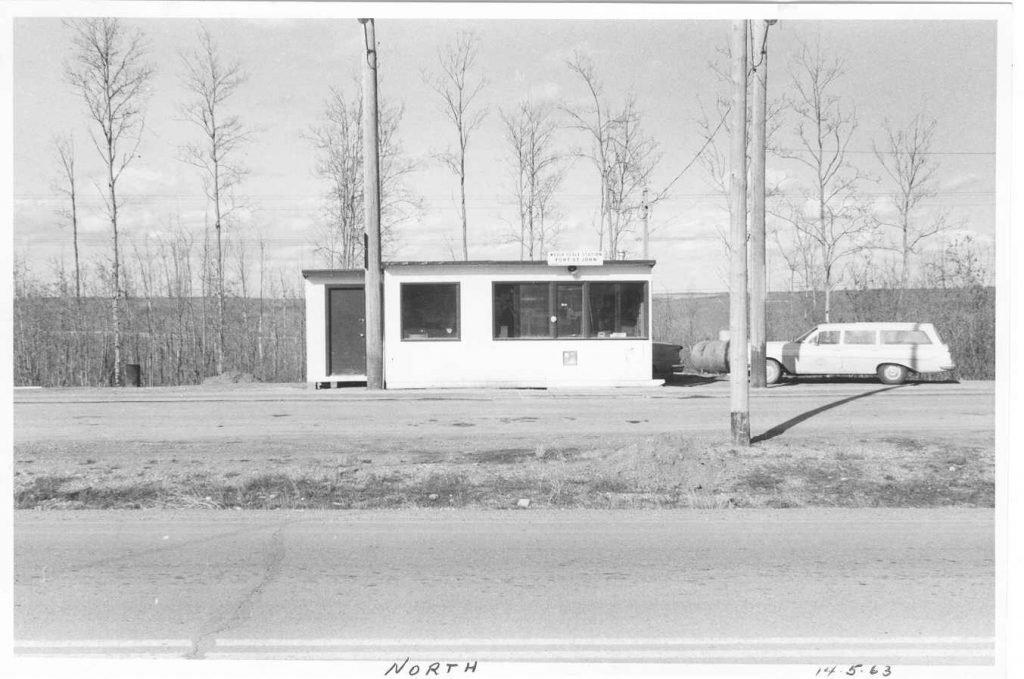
[889, 350]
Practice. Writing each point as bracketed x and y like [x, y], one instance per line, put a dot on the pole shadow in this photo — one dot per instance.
[780, 429]
[688, 380]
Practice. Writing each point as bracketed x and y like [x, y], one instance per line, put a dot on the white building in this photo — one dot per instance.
[487, 324]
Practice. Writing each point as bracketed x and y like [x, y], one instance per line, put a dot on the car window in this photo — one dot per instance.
[828, 337]
[860, 337]
[806, 335]
[905, 337]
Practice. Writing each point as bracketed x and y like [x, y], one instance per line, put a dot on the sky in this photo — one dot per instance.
[894, 69]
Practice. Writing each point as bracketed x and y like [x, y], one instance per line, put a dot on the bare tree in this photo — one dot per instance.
[595, 121]
[338, 141]
[907, 161]
[64, 148]
[108, 69]
[961, 263]
[259, 324]
[830, 215]
[458, 90]
[633, 155]
[623, 155]
[339, 145]
[713, 127]
[210, 82]
[537, 169]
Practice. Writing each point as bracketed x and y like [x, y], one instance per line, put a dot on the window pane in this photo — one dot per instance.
[617, 310]
[569, 309]
[828, 337]
[860, 336]
[521, 310]
[905, 337]
[430, 311]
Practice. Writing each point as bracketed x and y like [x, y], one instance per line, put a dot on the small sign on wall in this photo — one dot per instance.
[569, 358]
[575, 258]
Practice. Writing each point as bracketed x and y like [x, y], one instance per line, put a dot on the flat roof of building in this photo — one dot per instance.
[479, 263]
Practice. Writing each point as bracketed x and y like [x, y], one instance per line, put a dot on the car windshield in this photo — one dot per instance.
[802, 337]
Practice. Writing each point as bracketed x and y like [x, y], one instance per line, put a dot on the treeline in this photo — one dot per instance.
[964, 316]
[61, 341]
[168, 320]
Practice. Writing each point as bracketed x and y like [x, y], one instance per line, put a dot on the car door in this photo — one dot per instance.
[819, 354]
[914, 348]
[860, 352]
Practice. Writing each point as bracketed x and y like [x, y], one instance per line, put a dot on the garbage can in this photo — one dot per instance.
[133, 375]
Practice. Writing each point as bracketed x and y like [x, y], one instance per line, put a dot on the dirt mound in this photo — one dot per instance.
[230, 377]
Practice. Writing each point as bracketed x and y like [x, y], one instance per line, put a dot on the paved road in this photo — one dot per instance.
[290, 418]
[796, 586]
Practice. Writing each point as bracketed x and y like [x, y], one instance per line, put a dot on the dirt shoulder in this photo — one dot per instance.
[659, 471]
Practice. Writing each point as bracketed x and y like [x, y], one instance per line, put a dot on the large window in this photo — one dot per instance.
[617, 310]
[522, 310]
[430, 311]
[562, 310]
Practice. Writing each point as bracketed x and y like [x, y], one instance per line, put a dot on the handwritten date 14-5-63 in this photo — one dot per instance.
[854, 670]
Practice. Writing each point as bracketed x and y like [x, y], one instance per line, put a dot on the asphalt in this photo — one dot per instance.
[777, 586]
[290, 417]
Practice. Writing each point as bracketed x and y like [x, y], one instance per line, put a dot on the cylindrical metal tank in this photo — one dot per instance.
[710, 356]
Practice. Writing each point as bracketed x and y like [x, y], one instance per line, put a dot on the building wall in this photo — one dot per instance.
[316, 323]
[477, 359]
[316, 331]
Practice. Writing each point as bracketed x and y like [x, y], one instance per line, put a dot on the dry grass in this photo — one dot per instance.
[657, 471]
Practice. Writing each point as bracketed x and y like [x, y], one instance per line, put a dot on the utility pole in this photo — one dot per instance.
[371, 209]
[739, 385]
[758, 280]
[647, 237]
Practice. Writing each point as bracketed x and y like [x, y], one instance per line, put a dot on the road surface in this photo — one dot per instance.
[276, 419]
[782, 586]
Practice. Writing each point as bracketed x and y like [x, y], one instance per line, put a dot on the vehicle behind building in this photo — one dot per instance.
[892, 351]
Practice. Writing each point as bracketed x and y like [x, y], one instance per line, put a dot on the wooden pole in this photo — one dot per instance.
[739, 386]
[758, 281]
[371, 209]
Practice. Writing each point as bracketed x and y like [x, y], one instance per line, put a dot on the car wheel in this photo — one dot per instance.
[772, 371]
[890, 373]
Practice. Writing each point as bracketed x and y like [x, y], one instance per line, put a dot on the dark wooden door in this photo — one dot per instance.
[346, 331]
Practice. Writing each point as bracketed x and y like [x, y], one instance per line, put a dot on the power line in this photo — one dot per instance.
[493, 197]
[890, 153]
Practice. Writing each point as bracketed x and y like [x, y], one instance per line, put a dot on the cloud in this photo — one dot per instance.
[565, 53]
[958, 181]
[883, 208]
[282, 22]
[141, 178]
[546, 92]
[779, 178]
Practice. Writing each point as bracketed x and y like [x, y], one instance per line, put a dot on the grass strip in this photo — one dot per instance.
[667, 471]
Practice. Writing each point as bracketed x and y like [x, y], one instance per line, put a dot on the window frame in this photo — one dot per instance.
[456, 336]
[585, 329]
